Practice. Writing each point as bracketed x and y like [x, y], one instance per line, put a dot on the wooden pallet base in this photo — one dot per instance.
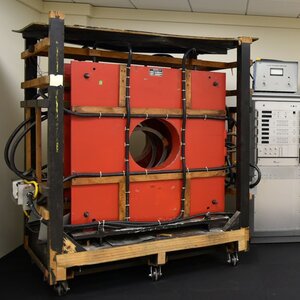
[158, 249]
[35, 259]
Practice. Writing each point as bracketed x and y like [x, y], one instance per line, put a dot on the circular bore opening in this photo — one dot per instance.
[154, 143]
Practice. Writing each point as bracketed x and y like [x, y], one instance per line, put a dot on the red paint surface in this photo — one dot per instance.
[67, 124]
[204, 191]
[155, 200]
[97, 145]
[101, 88]
[67, 131]
[208, 90]
[205, 143]
[153, 90]
[100, 202]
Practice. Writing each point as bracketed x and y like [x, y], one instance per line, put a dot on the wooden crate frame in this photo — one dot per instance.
[49, 40]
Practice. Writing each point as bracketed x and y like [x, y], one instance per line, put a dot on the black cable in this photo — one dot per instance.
[42, 200]
[257, 181]
[230, 148]
[7, 159]
[33, 208]
[230, 120]
[163, 55]
[10, 139]
[143, 116]
[230, 173]
[92, 115]
[183, 128]
[127, 135]
[14, 148]
[27, 226]
[126, 224]
[43, 92]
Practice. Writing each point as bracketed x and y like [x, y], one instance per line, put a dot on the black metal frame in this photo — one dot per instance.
[55, 105]
[56, 135]
[243, 131]
[30, 72]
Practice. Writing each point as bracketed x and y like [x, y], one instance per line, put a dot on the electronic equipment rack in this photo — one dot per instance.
[61, 256]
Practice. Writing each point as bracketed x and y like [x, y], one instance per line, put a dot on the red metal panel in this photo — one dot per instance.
[207, 195]
[97, 144]
[208, 90]
[155, 87]
[67, 132]
[205, 143]
[67, 124]
[155, 200]
[94, 202]
[95, 84]
[67, 145]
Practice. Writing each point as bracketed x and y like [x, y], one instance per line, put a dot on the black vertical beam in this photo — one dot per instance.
[30, 72]
[55, 133]
[243, 131]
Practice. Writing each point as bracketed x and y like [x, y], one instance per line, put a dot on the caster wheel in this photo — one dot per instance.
[155, 273]
[233, 258]
[61, 288]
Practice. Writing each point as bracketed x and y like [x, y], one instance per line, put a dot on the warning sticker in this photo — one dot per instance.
[156, 72]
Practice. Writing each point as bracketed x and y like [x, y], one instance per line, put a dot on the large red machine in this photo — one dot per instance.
[97, 144]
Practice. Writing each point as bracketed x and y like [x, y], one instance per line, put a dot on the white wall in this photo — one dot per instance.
[276, 43]
[279, 39]
[13, 15]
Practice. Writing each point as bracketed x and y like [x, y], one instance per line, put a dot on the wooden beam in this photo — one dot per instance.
[246, 39]
[121, 57]
[53, 14]
[40, 82]
[96, 180]
[149, 111]
[43, 211]
[153, 248]
[231, 93]
[122, 199]
[122, 86]
[161, 258]
[68, 246]
[142, 178]
[41, 46]
[41, 103]
[37, 261]
[60, 273]
[187, 202]
[158, 60]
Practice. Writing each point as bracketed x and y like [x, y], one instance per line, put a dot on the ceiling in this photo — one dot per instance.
[279, 8]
